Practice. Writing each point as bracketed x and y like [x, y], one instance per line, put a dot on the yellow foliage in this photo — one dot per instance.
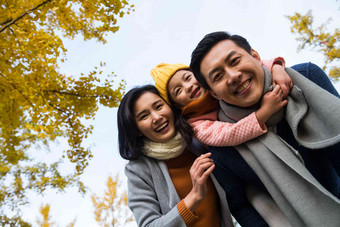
[38, 104]
[72, 224]
[322, 41]
[45, 219]
[112, 210]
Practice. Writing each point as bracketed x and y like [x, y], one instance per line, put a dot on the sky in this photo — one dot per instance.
[167, 31]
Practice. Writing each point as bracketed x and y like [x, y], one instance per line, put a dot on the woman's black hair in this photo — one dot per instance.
[130, 141]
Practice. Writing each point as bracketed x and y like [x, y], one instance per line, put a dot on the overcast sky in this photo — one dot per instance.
[167, 31]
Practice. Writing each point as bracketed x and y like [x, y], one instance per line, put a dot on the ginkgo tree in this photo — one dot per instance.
[38, 103]
[111, 209]
[318, 39]
[45, 217]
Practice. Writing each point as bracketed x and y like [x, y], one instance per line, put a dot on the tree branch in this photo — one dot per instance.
[75, 94]
[22, 15]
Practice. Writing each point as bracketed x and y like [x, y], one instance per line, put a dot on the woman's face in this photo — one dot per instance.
[183, 88]
[154, 118]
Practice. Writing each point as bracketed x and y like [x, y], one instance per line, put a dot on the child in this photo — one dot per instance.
[179, 88]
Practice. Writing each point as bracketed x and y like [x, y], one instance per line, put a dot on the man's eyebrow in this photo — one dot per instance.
[225, 60]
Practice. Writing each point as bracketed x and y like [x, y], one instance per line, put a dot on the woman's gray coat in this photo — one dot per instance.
[152, 196]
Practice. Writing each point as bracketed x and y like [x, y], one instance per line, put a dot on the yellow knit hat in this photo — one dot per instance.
[162, 73]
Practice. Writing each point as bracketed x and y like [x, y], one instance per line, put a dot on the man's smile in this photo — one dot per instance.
[242, 88]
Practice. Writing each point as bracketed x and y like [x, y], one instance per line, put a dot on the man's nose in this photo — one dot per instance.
[234, 77]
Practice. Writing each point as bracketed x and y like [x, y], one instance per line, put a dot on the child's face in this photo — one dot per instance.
[183, 88]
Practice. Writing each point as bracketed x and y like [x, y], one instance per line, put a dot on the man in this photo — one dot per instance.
[228, 67]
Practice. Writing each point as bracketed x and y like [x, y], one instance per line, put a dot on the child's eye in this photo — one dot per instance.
[178, 91]
[188, 78]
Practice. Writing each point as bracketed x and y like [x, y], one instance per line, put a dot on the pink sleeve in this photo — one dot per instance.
[269, 63]
[217, 133]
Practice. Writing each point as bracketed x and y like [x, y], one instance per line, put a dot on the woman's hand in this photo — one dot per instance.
[199, 172]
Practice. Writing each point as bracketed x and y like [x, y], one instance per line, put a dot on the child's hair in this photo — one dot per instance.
[129, 138]
[206, 44]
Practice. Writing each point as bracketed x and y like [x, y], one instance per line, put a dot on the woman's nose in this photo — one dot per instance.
[156, 117]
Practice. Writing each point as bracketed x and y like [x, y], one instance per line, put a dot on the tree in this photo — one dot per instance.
[13, 221]
[324, 42]
[45, 220]
[111, 210]
[38, 104]
[72, 224]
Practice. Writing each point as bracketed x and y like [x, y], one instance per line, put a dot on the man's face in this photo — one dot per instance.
[233, 75]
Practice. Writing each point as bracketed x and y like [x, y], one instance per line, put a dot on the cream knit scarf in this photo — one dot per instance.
[164, 151]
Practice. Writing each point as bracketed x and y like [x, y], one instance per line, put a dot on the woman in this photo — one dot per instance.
[167, 184]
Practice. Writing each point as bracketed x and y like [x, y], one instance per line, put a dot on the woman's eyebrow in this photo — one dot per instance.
[140, 113]
[156, 102]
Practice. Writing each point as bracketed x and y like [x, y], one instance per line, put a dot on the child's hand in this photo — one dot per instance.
[271, 103]
[281, 78]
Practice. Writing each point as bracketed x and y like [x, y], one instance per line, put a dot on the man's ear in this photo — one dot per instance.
[256, 55]
[214, 95]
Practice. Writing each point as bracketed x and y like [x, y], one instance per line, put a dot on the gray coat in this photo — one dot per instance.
[152, 196]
